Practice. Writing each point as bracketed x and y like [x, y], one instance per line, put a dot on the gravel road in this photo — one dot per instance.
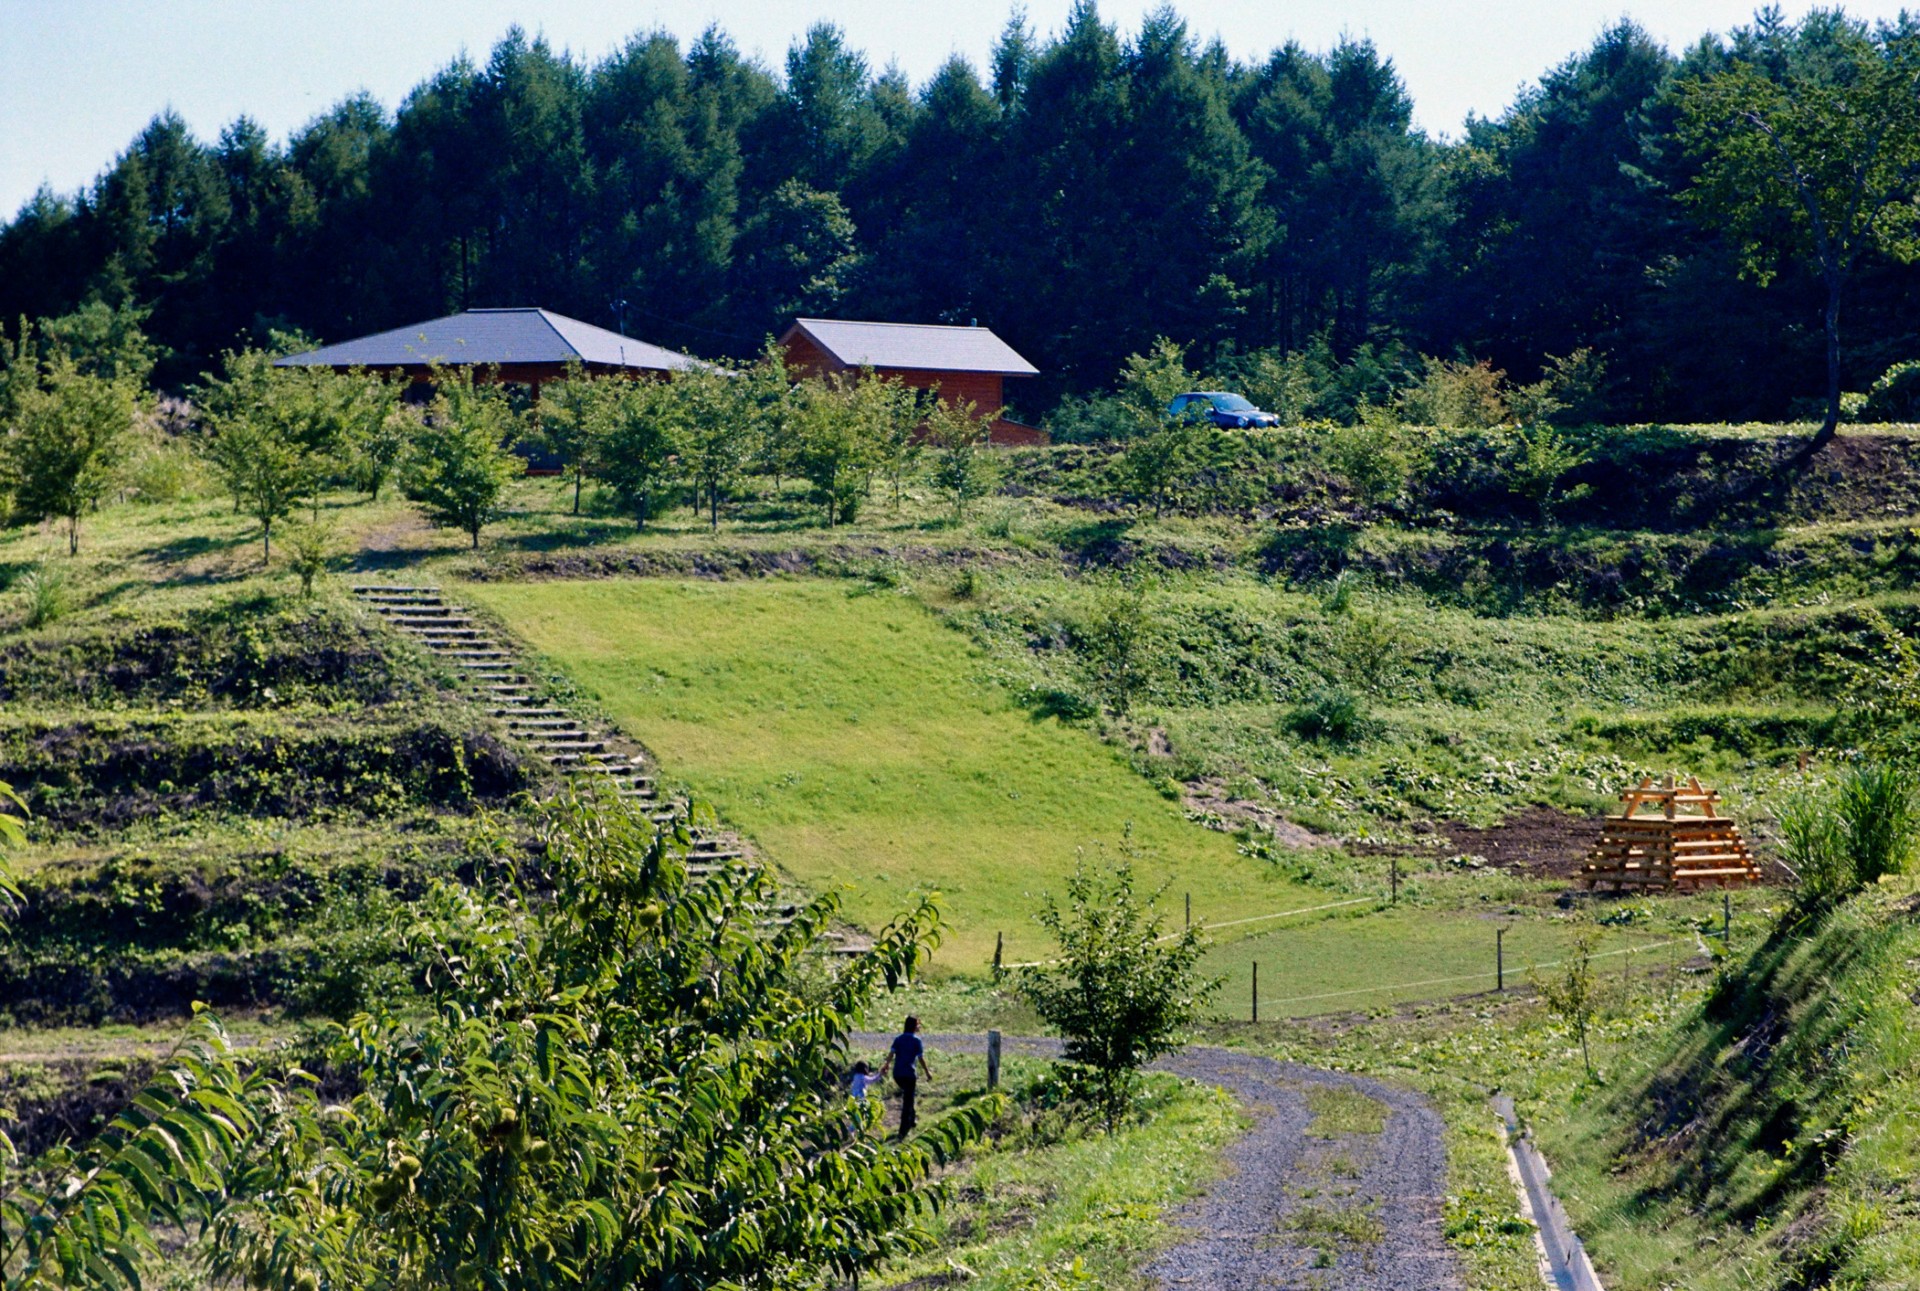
[1357, 1213]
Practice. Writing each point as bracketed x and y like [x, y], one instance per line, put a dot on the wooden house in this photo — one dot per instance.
[963, 364]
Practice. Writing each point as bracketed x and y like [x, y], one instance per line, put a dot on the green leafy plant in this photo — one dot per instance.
[1121, 992]
[963, 470]
[618, 1082]
[70, 437]
[1573, 995]
[311, 549]
[460, 462]
[1116, 639]
[1333, 714]
[87, 1217]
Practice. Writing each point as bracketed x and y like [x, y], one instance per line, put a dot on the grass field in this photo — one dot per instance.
[1387, 957]
[852, 737]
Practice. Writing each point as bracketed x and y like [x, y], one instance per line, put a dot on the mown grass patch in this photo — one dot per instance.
[855, 739]
[1339, 1111]
[1085, 1211]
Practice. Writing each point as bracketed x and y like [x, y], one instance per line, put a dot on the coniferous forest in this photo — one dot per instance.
[1082, 194]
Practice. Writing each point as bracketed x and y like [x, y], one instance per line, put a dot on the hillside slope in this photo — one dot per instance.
[1769, 1141]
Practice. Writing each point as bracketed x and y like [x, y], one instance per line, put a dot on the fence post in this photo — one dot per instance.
[1393, 878]
[1726, 920]
[999, 944]
[1499, 959]
[1189, 909]
[993, 1061]
[1256, 990]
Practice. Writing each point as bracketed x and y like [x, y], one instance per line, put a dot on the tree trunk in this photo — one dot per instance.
[713, 508]
[1831, 426]
[266, 542]
[475, 532]
[576, 493]
[73, 534]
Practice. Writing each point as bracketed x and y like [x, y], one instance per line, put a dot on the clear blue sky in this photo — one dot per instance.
[79, 77]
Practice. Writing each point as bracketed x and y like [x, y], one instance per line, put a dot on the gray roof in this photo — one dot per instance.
[481, 336]
[924, 347]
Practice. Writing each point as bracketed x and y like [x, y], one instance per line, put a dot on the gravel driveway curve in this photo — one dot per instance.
[1355, 1213]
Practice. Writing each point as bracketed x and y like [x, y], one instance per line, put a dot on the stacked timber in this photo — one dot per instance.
[1670, 835]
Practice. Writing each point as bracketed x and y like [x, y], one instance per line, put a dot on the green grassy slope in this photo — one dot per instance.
[1766, 1140]
[853, 737]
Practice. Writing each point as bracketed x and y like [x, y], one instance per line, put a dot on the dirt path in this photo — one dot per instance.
[1333, 1206]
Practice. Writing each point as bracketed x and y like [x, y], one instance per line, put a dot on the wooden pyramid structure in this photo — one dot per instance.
[1688, 844]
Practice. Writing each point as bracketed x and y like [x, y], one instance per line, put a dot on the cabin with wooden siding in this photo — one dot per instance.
[962, 364]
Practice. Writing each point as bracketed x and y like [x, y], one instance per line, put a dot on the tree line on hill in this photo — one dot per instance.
[77, 427]
[1084, 196]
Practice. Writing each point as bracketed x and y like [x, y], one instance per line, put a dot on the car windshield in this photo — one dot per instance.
[1231, 403]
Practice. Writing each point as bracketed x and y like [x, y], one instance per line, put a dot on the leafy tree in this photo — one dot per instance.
[627, 1081]
[1536, 471]
[1122, 992]
[1574, 995]
[1161, 450]
[833, 442]
[715, 417]
[460, 462]
[574, 420]
[898, 415]
[1455, 394]
[314, 546]
[1820, 162]
[87, 1217]
[1116, 638]
[375, 429]
[266, 438]
[1374, 457]
[70, 433]
[638, 453]
[963, 467]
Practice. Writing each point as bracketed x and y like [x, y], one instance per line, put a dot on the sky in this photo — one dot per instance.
[78, 78]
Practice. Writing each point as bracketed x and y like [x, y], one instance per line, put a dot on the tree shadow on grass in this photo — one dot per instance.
[1096, 542]
[180, 550]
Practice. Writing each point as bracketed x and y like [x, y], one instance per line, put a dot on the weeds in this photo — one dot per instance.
[45, 591]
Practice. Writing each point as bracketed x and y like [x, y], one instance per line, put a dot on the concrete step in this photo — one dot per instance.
[516, 714]
[360, 589]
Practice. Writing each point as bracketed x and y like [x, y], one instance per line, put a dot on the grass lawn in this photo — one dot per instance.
[853, 737]
[1387, 957]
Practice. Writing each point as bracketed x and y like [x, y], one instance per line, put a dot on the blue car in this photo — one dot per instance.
[1231, 411]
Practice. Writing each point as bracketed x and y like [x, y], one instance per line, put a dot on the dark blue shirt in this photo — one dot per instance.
[906, 1053]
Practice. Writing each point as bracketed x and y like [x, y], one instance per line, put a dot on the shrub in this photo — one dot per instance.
[45, 590]
[1116, 638]
[1896, 395]
[1838, 839]
[1121, 992]
[1374, 457]
[1880, 814]
[1332, 714]
[1455, 394]
[160, 469]
[311, 549]
[1813, 844]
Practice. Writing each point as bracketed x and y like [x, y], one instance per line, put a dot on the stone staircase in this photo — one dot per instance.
[548, 732]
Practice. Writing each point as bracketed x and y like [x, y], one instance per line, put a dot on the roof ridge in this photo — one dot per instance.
[565, 340]
[863, 322]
